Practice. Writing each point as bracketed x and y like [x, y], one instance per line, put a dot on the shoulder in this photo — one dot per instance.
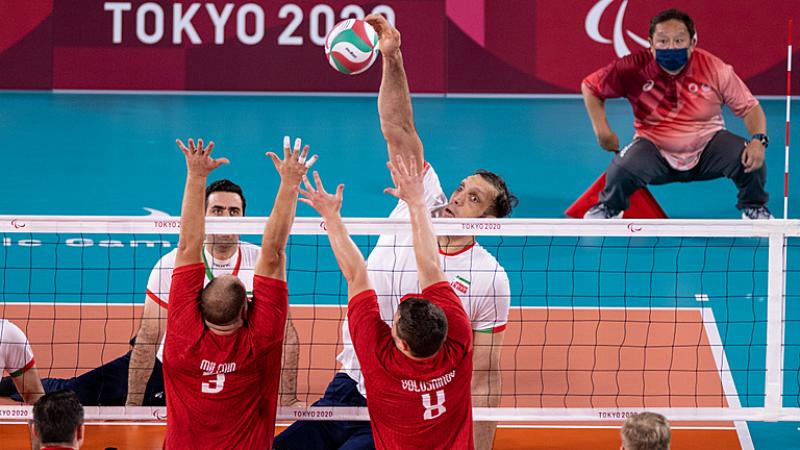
[482, 260]
[709, 63]
[249, 249]
[634, 62]
[167, 262]
[10, 333]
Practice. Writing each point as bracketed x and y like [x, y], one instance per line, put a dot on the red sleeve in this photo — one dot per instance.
[606, 82]
[269, 307]
[367, 330]
[183, 315]
[458, 325]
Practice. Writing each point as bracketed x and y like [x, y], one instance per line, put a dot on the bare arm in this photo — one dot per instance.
[753, 156]
[407, 177]
[348, 256]
[596, 108]
[486, 382]
[290, 360]
[29, 385]
[272, 259]
[193, 221]
[394, 99]
[143, 356]
[755, 121]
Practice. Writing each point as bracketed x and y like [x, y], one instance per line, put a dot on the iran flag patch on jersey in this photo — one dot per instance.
[460, 284]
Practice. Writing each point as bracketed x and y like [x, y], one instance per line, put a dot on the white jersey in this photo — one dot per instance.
[477, 278]
[16, 355]
[242, 264]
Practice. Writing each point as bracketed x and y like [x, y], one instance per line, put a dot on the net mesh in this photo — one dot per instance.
[689, 318]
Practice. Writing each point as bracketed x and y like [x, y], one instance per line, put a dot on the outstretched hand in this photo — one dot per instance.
[198, 158]
[327, 205]
[408, 180]
[388, 36]
[294, 165]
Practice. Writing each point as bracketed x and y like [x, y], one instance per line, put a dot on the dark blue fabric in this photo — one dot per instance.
[333, 435]
[107, 385]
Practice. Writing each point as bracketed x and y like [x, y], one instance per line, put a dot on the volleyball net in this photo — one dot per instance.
[696, 319]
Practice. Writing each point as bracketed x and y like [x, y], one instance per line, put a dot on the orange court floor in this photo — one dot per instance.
[71, 339]
[147, 437]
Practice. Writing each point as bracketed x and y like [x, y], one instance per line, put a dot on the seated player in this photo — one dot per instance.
[418, 371]
[479, 280]
[222, 354]
[57, 422]
[677, 91]
[16, 358]
[646, 431]
[137, 374]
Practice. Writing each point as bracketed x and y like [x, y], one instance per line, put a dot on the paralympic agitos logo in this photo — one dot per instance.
[592, 25]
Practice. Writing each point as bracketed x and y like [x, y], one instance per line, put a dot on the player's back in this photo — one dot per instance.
[222, 390]
[413, 403]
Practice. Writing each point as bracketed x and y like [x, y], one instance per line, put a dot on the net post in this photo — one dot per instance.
[773, 378]
[788, 117]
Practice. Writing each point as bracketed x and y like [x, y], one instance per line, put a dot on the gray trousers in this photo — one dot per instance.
[641, 164]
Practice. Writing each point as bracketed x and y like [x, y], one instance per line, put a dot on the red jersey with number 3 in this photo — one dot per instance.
[222, 390]
[416, 403]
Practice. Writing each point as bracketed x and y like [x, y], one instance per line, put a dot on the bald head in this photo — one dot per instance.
[222, 300]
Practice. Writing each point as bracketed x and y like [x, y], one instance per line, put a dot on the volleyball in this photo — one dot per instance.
[351, 46]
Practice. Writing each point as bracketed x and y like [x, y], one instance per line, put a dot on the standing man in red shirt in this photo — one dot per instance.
[677, 91]
[222, 356]
[418, 371]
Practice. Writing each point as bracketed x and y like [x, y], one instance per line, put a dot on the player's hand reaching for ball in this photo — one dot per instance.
[388, 36]
[327, 205]
[295, 162]
[198, 158]
[407, 178]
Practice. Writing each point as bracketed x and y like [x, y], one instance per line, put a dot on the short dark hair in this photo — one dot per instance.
[505, 201]
[221, 301]
[225, 185]
[57, 416]
[672, 14]
[423, 325]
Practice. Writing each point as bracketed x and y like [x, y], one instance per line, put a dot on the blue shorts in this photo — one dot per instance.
[331, 434]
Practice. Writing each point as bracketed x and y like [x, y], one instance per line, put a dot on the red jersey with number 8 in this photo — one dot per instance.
[222, 390]
[415, 403]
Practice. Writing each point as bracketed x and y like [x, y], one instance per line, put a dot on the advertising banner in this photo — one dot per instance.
[449, 46]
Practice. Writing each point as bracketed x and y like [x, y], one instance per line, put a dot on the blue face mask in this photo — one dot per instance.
[672, 59]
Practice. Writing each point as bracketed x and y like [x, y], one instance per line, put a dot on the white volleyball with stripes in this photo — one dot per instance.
[351, 46]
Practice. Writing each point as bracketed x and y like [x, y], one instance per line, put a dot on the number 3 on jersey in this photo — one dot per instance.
[215, 384]
[433, 411]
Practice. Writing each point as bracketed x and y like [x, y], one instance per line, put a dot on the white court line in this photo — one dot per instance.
[724, 369]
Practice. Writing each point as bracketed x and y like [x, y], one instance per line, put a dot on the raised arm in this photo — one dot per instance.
[272, 259]
[407, 177]
[349, 257]
[193, 220]
[394, 98]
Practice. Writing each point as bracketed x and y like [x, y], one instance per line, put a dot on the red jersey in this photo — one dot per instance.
[678, 113]
[222, 390]
[416, 404]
